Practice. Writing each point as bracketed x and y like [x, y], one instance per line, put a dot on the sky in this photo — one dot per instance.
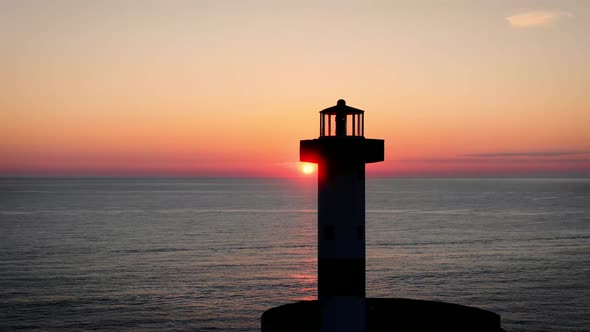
[228, 88]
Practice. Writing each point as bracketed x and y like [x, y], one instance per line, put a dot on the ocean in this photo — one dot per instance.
[212, 254]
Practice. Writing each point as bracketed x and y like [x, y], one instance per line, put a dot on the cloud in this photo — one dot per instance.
[537, 18]
[489, 160]
[527, 154]
[511, 157]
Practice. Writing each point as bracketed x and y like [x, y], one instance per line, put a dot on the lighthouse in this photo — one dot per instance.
[341, 152]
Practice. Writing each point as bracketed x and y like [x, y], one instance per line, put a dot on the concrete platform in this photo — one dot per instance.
[388, 315]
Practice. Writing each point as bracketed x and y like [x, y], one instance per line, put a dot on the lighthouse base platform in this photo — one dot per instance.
[388, 315]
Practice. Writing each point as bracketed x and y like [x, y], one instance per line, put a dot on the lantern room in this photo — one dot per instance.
[342, 120]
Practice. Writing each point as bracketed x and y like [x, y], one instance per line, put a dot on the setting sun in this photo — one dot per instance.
[307, 168]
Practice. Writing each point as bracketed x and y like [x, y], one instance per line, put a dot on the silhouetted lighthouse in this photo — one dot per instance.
[341, 153]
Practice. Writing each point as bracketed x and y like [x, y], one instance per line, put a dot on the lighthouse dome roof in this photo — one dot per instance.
[340, 108]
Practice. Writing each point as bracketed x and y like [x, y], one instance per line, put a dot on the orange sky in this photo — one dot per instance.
[210, 88]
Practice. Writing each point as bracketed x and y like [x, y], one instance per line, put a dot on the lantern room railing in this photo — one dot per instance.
[335, 120]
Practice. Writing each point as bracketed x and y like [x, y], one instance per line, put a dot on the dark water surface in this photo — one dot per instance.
[213, 254]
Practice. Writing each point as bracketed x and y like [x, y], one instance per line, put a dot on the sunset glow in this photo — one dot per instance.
[480, 88]
[307, 168]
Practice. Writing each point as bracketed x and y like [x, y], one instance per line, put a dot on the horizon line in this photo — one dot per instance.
[299, 177]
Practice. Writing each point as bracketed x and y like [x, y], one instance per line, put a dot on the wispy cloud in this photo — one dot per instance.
[287, 164]
[537, 18]
[526, 154]
[489, 160]
[512, 157]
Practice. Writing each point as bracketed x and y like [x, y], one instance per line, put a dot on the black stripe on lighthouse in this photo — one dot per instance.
[341, 277]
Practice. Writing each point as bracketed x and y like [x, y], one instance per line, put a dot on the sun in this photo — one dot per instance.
[307, 168]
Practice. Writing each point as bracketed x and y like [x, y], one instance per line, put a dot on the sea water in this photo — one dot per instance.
[208, 254]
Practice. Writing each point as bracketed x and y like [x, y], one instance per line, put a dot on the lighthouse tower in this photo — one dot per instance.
[341, 153]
